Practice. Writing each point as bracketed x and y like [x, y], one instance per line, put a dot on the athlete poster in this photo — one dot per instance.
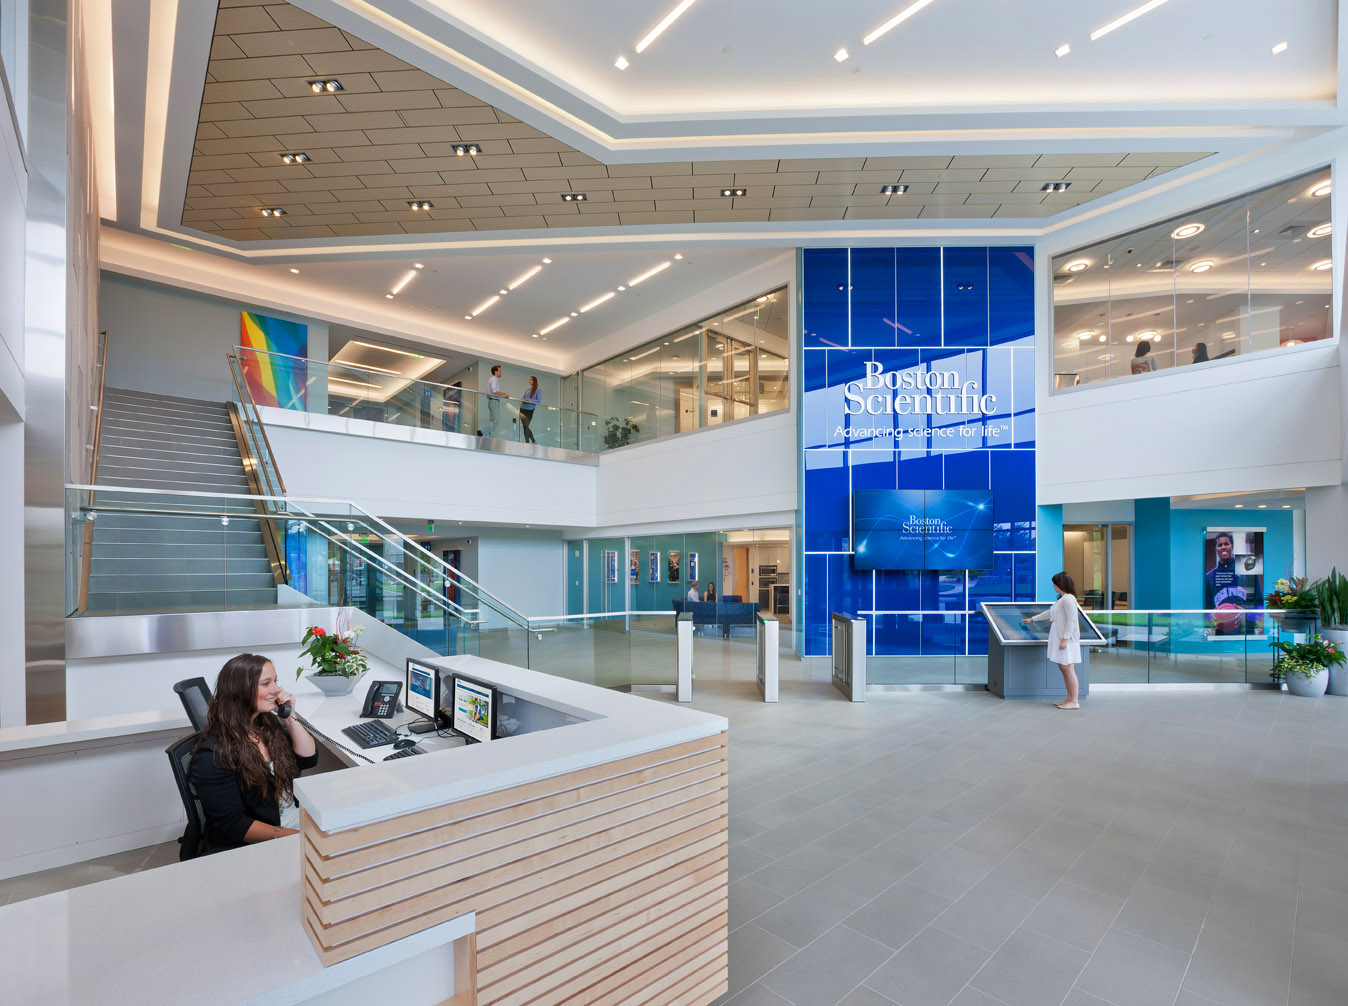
[674, 567]
[633, 565]
[692, 566]
[653, 571]
[610, 566]
[1234, 579]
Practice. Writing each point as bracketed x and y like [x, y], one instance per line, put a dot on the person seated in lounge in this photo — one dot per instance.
[710, 595]
[248, 757]
[692, 592]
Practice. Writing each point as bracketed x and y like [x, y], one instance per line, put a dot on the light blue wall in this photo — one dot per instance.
[1049, 547]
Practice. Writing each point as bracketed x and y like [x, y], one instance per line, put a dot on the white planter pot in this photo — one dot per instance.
[333, 684]
[1338, 676]
[1308, 688]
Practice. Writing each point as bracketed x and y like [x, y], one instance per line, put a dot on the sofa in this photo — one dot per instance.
[723, 614]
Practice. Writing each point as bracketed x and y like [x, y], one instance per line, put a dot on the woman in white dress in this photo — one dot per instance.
[1064, 635]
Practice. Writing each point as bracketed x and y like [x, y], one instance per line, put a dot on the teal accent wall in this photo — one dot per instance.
[604, 597]
[1186, 547]
[575, 577]
[1048, 544]
[1151, 555]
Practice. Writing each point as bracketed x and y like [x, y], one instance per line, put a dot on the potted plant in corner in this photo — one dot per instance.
[1292, 604]
[1305, 666]
[336, 663]
[1331, 596]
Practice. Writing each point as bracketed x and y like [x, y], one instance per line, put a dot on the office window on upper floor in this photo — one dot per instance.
[1243, 276]
[730, 366]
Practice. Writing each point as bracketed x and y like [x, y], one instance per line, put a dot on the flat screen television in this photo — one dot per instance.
[922, 529]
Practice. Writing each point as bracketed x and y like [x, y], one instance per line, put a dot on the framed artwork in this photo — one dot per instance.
[674, 567]
[275, 373]
[653, 572]
[1233, 560]
[692, 566]
[610, 566]
[633, 565]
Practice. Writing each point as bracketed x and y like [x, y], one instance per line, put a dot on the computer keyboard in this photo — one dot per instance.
[371, 733]
[404, 753]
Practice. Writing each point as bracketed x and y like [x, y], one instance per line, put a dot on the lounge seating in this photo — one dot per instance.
[724, 614]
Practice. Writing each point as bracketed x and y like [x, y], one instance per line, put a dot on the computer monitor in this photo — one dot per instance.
[473, 713]
[423, 690]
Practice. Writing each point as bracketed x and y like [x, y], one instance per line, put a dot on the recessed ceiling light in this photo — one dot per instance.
[575, 314]
[1240, 506]
[1320, 189]
[1319, 231]
[467, 317]
[1055, 186]
[597, 301]
[417, 265]
[526, 276]
[621, 288]
[1088, 334]
[622, 64]
[841, 55]
[1320, 266]
[485, 304]
[1287, 506]
[273, 211]
[1123, 19]
[1263, 506]
[503, 291]
[1078, 265]
[1202, 266]
[1147, 336]
[1280, 47]
[320, 86]
[1103, 338]
[410, 275]
[678, 255]
[547, 261]
[734, 192]
[1187, 231]
[295, 271]
[471, 149]
[1062, 50]
[388, 296]
[893, 190]
[535, 335]
[1228, 335]
[665, 22]
[556, 324]
[573, 197]
[896, 20]
[648, 274]
[420, 204]
[299, 157]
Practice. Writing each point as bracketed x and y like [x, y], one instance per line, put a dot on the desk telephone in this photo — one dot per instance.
[381, 701]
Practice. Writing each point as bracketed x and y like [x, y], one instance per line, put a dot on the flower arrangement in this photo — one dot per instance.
[333, 653]
[1306, 660]
[1291, 594]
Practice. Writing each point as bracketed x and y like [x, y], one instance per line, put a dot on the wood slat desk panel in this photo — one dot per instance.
[600, 886]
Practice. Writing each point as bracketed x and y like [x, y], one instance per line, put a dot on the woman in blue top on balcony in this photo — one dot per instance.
[527, 406]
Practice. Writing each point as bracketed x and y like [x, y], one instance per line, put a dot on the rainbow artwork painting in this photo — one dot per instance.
[276, 380]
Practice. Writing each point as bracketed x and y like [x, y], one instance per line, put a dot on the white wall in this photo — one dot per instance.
[526, 569]
[169, 342]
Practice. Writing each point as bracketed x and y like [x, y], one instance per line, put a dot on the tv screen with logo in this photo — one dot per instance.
[922, 529]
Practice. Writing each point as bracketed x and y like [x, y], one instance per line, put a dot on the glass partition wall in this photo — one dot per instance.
[1247, 275]
[726, 367]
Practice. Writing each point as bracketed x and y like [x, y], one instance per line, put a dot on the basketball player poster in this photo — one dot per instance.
[1234, 581]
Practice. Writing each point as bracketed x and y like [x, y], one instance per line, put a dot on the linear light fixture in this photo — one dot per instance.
[555, 325]
[598, 300]
[411, 275]
[361, 386]
[526, 277]
[1281, 47]
[486, 304]
[1123, 19]
[366, 366]
[648, 273]
[386, 349]
[665, 22]
[1062, 50]
[896, 20]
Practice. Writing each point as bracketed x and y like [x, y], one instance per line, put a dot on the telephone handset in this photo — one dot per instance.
[381, 701]
[283, 710]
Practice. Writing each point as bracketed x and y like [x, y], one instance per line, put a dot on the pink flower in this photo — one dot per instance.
[317, 631]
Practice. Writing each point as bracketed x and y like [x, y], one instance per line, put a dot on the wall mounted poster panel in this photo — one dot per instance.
[653, 569]
[692, 566]
[275, 380]
[674, 567]
[633, 565]
[610, 566]
[917, 383]
[1233, 558]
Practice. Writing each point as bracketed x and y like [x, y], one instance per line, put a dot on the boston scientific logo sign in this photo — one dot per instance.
[915, 392]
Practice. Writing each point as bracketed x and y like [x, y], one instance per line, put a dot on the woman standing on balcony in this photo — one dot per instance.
[527, 406]
[1064, 635]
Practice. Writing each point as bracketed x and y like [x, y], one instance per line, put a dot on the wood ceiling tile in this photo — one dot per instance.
[1022, 210]
[435, 226]
[907, 163]
[661, 193]
[729, 216]
[857, 199]
[396, 101]
[768, 203]
[691, 180]
[296, 233]
[437, 144]
[388, 192]
[281, 43]
[468, 188]
[298, 87]
[1136, 172]
[219, 111]
[452, 97]
[948, 175]
[576, 157]
[239, 90]
[489, 176]
[807, 190]
[968, 187]
[407, 80]
[906, 212]
[514, 223]
[572, 175]
[260, 127]
[208, 177]
[993, 160]
[332, 138]
[601, 220]
[701, 204]
[620, 183]
[623, 206]
[290, 18]
[1176, 160]
[264, 68]
[822, 164]
[808, 213]
[335, 64]
[531, 209]
[209, 131]
[552, 187]
[223, 162]
[486, 132]
[1078, 160]
[310, 105]
[382, 152]
[253, 174]
[951, 211]
[423, 184]
[723, 167]
[469, 115]
[1038, 173]
[356, 43]
[499, 199]
[242, 20]
[332, 219]
[353, 120]
[746, 178]
[222, 47]
[682, 169]
[432, 117]
[997, 198]
[320, 184]
[338, 169]
[487, 161]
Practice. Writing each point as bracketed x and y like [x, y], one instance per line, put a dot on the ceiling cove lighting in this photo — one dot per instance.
[1124, 19]
[841, 56]
[386, 349]
[893, 190]
[622, 64]
[1187, 231]
[1281, 47]
[597, 301]
[299, 157]
[574, 197]
[1320, 231]
[665, 22]
[1088, 334]
[554, 326]
[896, 20]
[486, 304]
[734, 192]
[420, 204]
[273, 211]
[1079, 265]
[1202, 266]
[648, 274]
[471, 149]
[1323, 265]
[1055, 186]
[410, 275]
[1320, 189]
[1062, 50]
[526, 277]
[324, 86]
[1148, 336]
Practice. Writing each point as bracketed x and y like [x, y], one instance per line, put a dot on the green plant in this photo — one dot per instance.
[1331, 598]
[1291, 594]
[618, 432]
[332, 653]
[1306, 660]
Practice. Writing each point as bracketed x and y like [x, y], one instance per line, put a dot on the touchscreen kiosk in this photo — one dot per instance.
[474, 709]
[423, 695]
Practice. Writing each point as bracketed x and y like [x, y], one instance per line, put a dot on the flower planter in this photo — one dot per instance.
[1294, 620]
[1308, 688]
[1338, 676]
[333, 684]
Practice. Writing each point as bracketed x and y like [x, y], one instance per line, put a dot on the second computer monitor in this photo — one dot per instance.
[474, 709]
[423, 689]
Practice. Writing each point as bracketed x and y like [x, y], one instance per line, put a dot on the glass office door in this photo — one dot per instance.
[1099, 558]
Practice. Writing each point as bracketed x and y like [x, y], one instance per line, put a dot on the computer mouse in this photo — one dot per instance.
[404, 742]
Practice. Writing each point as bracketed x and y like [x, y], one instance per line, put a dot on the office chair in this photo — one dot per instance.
[196, 696]
[192, 842]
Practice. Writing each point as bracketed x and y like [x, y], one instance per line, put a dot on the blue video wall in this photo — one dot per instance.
[917, 406]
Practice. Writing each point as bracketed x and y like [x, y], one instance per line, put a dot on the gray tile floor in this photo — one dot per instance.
[949, 847]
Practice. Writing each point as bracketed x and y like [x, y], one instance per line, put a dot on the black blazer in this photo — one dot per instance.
[230, 808]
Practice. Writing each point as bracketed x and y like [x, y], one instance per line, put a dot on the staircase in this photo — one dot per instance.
[148, 562]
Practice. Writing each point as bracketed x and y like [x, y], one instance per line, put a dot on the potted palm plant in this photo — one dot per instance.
[336, 663]
[1305, 666]
[1331, 597]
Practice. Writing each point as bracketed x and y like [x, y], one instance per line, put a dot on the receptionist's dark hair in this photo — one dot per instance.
[1064, 582]
[233, 718]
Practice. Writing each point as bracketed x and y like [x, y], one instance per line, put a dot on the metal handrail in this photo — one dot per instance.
[263, 447]
[82, 602]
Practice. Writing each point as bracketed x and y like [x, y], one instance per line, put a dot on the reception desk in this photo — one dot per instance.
[582, 863]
